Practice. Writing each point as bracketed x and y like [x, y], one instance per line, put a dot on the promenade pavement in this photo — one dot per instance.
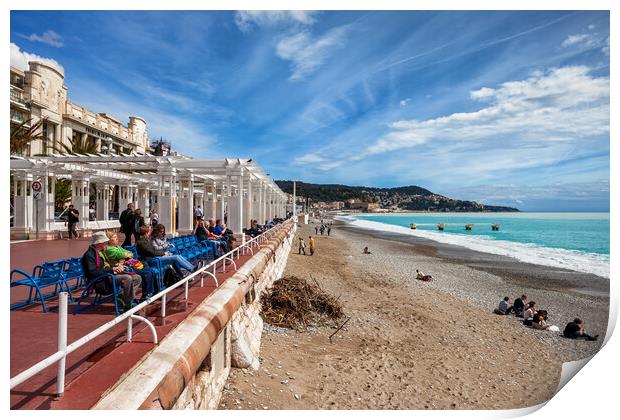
[97, 365]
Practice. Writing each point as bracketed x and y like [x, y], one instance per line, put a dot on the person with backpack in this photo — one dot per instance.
[126, 221]
[73, 217]
[94, 266]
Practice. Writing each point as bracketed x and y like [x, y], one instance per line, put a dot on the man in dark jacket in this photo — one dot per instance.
[73, 217]
[93, 266]
[127, 223]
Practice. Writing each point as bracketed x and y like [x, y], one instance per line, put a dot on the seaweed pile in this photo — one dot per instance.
[295, 303]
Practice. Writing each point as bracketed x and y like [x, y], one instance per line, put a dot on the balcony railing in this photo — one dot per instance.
[16, 96]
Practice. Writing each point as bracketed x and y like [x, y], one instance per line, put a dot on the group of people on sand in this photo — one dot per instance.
[537, 318]
[323, 229]
[302, 245]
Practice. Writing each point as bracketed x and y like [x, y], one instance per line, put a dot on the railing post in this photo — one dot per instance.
[62, 343]
[163, 306]
[129, 329]
[187, 290]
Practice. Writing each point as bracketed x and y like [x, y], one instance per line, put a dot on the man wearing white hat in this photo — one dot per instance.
[93, 265]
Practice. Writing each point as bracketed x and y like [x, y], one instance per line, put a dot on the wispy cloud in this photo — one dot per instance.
[20, 59]
[48, 37]
[404, 102]
[247, 20]
[307, 53]
[583, 39]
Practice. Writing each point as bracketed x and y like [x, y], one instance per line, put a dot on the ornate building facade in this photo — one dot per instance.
[39, 93]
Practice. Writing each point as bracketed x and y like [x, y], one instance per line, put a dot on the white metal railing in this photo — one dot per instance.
[63, 349]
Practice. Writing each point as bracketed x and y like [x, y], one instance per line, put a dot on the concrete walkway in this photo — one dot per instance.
[96, 366]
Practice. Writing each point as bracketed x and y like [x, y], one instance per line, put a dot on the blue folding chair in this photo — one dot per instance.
[73, 270]
[43, 276]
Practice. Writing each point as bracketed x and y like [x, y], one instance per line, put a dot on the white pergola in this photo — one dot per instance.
[234, 189]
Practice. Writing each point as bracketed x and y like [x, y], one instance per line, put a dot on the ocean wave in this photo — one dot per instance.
[552, 257]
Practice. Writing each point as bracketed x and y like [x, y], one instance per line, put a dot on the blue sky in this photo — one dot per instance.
[508, 108]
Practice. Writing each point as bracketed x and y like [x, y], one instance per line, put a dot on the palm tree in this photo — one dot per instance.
[24, 134]
[77, 146]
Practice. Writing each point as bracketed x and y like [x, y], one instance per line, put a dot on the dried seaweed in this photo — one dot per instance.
[294, 303]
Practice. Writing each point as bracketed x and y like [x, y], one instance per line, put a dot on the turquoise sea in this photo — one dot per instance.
[577, 241]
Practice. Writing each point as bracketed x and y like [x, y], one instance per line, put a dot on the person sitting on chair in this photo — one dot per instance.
[94, 266]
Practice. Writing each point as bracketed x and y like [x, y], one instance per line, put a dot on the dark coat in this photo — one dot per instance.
[146, 250]
[89, 264]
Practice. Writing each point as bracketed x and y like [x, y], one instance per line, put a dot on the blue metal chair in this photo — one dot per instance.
[43, 276]
[73, 270]
[99, 297]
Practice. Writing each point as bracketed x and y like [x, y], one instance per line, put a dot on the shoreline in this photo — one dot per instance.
[412, 344]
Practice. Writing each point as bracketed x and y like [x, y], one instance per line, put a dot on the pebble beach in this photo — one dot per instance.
[420, 345]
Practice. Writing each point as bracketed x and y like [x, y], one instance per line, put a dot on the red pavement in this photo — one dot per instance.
[97, 365]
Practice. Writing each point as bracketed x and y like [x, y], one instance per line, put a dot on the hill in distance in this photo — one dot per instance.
[402, 198]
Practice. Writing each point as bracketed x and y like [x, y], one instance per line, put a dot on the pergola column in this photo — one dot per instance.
[166, 199]
[256, 200]
[103, 201]
[220, 210]
[186, 204]
[210, 194]
[124, 197]
[248, 204]
[80, 189]
[142, 202]
[235, 203]
[23, 205]
[44, 207]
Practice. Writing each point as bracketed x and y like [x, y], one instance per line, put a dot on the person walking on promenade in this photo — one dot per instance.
[311, 243]
[126, 221]
[302, 246]
[73, 217]
[316, 230]
[93, 266]
[329, 230]
[138, 222]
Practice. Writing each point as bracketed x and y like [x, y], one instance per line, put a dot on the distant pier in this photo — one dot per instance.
[442, 226]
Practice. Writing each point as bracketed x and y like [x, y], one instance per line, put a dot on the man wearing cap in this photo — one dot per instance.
[94, 266]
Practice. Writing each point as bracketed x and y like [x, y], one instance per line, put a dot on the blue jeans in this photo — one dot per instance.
[178, 262]
[148, 281]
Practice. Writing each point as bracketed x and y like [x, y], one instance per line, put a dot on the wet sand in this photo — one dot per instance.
[417, 345]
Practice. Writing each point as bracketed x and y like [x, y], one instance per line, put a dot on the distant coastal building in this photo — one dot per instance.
[39, 93]
[355, 204]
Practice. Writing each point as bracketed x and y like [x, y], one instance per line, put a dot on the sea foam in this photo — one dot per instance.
[553, 257]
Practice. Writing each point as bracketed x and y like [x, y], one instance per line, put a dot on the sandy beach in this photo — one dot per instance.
[420, 345]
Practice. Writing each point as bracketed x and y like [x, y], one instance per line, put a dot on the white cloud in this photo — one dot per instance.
[306, 53]
[562, 104]
[309, 158]
[405, 102]
[246, 20]
[20, 59]
[48, 37]
[576, 39]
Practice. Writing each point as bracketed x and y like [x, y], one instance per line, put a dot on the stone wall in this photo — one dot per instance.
[189, 368]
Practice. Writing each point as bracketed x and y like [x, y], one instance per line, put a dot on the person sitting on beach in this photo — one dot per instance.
[528, 314]
[519, 305]
[576, 330]
[504, 307]
[366, 251]
[421, 276]
[539, 321]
